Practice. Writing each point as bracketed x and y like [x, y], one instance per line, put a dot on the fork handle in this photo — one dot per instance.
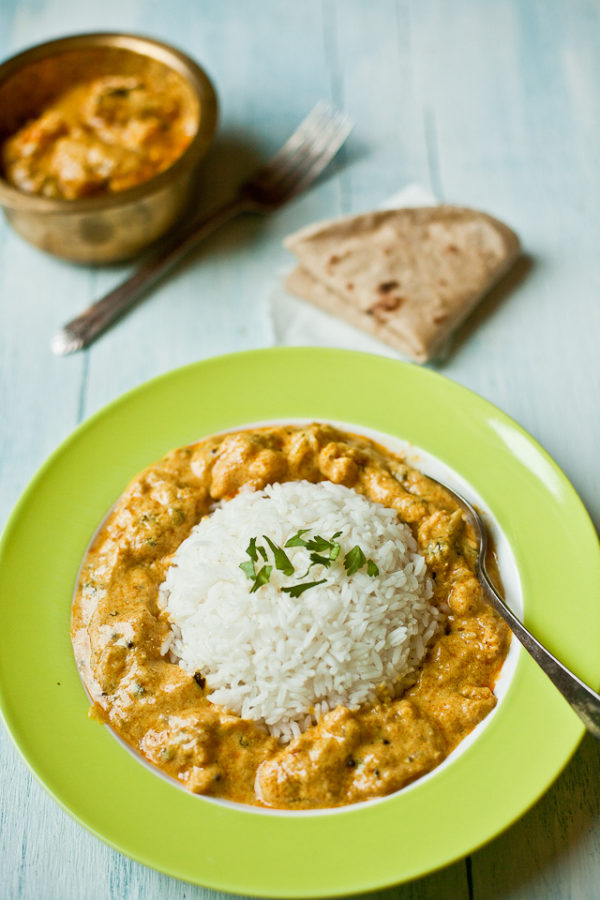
[582, 699]
[84, 328]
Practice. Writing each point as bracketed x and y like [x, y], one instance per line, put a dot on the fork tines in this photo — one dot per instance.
[306, 152]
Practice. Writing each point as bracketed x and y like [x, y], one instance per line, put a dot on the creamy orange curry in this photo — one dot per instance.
[118, 631]
[102, 136]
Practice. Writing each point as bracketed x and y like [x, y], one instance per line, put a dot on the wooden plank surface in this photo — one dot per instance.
[492, 104]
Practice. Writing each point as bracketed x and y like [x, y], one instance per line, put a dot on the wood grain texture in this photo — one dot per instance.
[492, 103]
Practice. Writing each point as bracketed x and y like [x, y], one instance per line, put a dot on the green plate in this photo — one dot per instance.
[528, 740]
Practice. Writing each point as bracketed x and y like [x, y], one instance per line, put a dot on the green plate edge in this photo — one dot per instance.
[529, 740]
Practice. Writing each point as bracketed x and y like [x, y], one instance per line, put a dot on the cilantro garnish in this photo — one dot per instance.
[251, 550]
[282, 560]
[296, 589]
[297, 540]
[247, 568]
[320, 545]
[262, 577]
[354, 560]
[320, 560]
[322, 552]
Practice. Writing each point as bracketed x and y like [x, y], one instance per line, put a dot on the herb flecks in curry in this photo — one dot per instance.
[350, 755]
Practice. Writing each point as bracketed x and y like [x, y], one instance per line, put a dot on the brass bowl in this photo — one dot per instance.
[113, 226]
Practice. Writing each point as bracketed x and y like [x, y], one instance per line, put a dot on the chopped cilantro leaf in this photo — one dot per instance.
[372, 568]
[282, 560]
[318, 543]
[261, 578]
[322, 552]
[297, 589]
[354, 560]
[320, 560]
[297, 540]
[247, 568]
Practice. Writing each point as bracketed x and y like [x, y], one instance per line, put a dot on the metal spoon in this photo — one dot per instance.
[582, 699]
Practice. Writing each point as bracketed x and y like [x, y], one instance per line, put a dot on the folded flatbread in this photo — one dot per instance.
[408, 276]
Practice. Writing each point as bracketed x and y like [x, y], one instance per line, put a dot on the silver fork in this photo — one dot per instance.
[301, 159]
[581, 698]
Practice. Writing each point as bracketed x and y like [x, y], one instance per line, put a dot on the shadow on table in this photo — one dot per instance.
[232, 158]
[530, 859]
[500, 294]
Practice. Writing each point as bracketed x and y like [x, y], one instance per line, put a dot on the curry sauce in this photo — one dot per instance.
[120, 633]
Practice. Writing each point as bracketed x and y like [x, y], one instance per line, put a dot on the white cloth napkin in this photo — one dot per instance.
[296, 323]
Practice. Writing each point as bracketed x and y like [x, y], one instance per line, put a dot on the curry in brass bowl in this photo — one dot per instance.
[100, 137]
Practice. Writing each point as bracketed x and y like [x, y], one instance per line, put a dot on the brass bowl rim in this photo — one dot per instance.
[142, 45]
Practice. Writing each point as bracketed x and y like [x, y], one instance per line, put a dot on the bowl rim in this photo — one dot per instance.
[142, 45]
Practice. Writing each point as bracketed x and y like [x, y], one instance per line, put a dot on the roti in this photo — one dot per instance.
[408, 276]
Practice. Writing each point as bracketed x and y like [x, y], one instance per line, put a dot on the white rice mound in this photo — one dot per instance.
[283, 661]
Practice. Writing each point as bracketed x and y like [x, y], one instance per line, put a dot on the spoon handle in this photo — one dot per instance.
[582, 699]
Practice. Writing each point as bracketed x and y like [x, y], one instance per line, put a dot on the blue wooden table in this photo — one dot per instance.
[491, 104]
